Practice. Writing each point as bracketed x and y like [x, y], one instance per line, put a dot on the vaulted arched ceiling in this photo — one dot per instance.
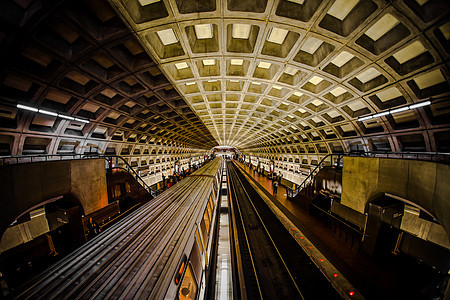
[266, 76]
[262, 73]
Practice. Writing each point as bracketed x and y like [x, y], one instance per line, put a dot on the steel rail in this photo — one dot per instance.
[270, 237]
[246, 239]
[236, 244]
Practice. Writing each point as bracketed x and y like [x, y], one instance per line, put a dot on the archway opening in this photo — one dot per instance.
[39, 237]
[225, 151]
[401, 233]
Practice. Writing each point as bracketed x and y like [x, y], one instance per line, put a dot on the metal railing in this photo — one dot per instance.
[336, 160]
[129, 169]
[21, 159]
[424, 156]
[117, 160]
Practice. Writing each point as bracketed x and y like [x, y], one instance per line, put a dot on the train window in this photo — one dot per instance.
[206, 220]
[204, 232]
[213, 194]
[209, 208]
[180, 270]
[195, 260]
[199, 240]
[188, 288]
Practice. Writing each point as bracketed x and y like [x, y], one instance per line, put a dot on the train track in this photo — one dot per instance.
[273, 265]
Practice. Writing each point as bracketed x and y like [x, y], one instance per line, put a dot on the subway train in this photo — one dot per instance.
[161, 251]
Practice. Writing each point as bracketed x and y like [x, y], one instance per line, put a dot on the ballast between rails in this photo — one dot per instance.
[161, 251]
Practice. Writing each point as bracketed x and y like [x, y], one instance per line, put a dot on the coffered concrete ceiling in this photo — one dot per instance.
[264, 73]
[263, 76]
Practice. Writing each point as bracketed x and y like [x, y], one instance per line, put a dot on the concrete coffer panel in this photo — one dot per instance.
[25, 186]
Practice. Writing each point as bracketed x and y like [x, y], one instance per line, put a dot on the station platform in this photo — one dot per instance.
[393, 277]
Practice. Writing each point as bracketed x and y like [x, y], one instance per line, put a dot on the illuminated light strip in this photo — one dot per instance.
[27, 107]
[66, 117]
[81, 120]
[420, 104]
[393, 111]
[51, 113]
[380, 114]
[365, 118]
[46, 112]
[399, 109]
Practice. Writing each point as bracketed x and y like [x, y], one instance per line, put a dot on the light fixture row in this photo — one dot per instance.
[394, 111]
[50, 113]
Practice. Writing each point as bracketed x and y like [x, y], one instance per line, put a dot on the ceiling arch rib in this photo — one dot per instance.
[79, 60]
[303, 72]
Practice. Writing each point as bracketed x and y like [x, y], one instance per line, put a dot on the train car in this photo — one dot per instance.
[161, 251]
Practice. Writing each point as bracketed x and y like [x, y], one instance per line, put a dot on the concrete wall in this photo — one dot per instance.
[421, 182]
[23, 232]
[423, 229]
[24, 186]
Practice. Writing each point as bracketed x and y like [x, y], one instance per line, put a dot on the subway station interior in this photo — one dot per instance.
[224, 149]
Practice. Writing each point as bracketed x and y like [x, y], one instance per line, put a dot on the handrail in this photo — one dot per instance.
[427, 156]
[130, 170]
[17, 159]
[433, 156]
[59, 157]
[317, 169]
